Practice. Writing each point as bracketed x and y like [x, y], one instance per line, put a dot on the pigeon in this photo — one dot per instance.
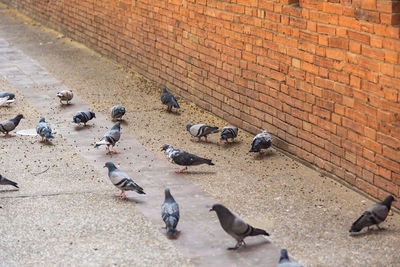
[201, 130]
[65, 95]
[43, 129]
[285, 262]
[9, 125]
[5, 181]
[235, 226]
[170, 213]
[10, 96]
[183, 158]
[229, 132]
[169, 100]
[374, 215]
[6, 98]
[83, 117]
[110, 138]
[117, 112]
[122, 181]
[261, 141]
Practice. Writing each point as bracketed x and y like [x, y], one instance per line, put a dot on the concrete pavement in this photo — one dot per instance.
[306, 212]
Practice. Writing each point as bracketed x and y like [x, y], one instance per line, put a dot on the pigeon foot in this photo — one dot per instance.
[182, 171]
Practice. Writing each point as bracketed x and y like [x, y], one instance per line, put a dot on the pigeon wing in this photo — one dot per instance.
[7, 126]
[185, 158]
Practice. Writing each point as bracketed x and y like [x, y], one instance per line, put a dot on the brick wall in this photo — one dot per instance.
[322, 76]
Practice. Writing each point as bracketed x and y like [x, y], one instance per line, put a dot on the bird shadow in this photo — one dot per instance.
[374, 231]
[8, 136]
[176, 113]
[252, 246]
[47, 143]
[134, 200]
[9, 190]
[83, 127]
[123, 122]
[65, 106]
[230, 144]
[264, 154]
[199, 172]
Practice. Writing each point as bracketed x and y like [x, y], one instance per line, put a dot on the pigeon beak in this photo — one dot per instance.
[104, 166]
[211, 209]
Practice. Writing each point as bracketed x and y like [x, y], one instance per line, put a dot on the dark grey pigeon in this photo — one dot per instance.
[43, 129]
[201, 130]
[261, 141]
[374, 215]
[229, 132]
[235, 226]
[5, 181]
[10, 96]
[110, 138]
[83, 117]
[122, 181]
[117, 112]
[9, 125]
[169, 100]
[183, 158]
[170, 213]
[285, 262]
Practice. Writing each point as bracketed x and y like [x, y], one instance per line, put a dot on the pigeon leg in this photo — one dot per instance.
[114, 151]
[124, 195]
[379, 228]
[118, 195]
[183, 170]
[205, 138]
[108, 150]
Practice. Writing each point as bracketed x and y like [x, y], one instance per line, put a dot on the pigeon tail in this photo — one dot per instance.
[256, 231]
[214, 130]
[49, 136]
[5, 181]
[140, 191]
[208, 161]
[176, 105]
[361, 222]
[284, 256]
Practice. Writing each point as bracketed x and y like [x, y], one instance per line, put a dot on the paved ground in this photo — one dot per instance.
[304, 211]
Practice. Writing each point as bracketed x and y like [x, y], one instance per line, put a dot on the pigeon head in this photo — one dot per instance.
[165, 147]
[93, 114]
[19, 116]
[284, 255]
[110, 166]
[189, 126]
[388, 201]
[218, 208]
[11, 96]
[168, 194]
[165, 90]
[42, 120]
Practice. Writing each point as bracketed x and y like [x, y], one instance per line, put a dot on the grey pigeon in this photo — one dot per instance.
[65, 95]
[169, 100]
[285, 262]
[261, 141]
[5, 181]
[83, 117]
[117, 112]
[170, 213]
[10, 96]
[122, 181]
[235, 226]
[374, 215]
[110, 138]
[43, 130]
[9, 125]
[229, 132]
[183, 158]
[201, 130]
